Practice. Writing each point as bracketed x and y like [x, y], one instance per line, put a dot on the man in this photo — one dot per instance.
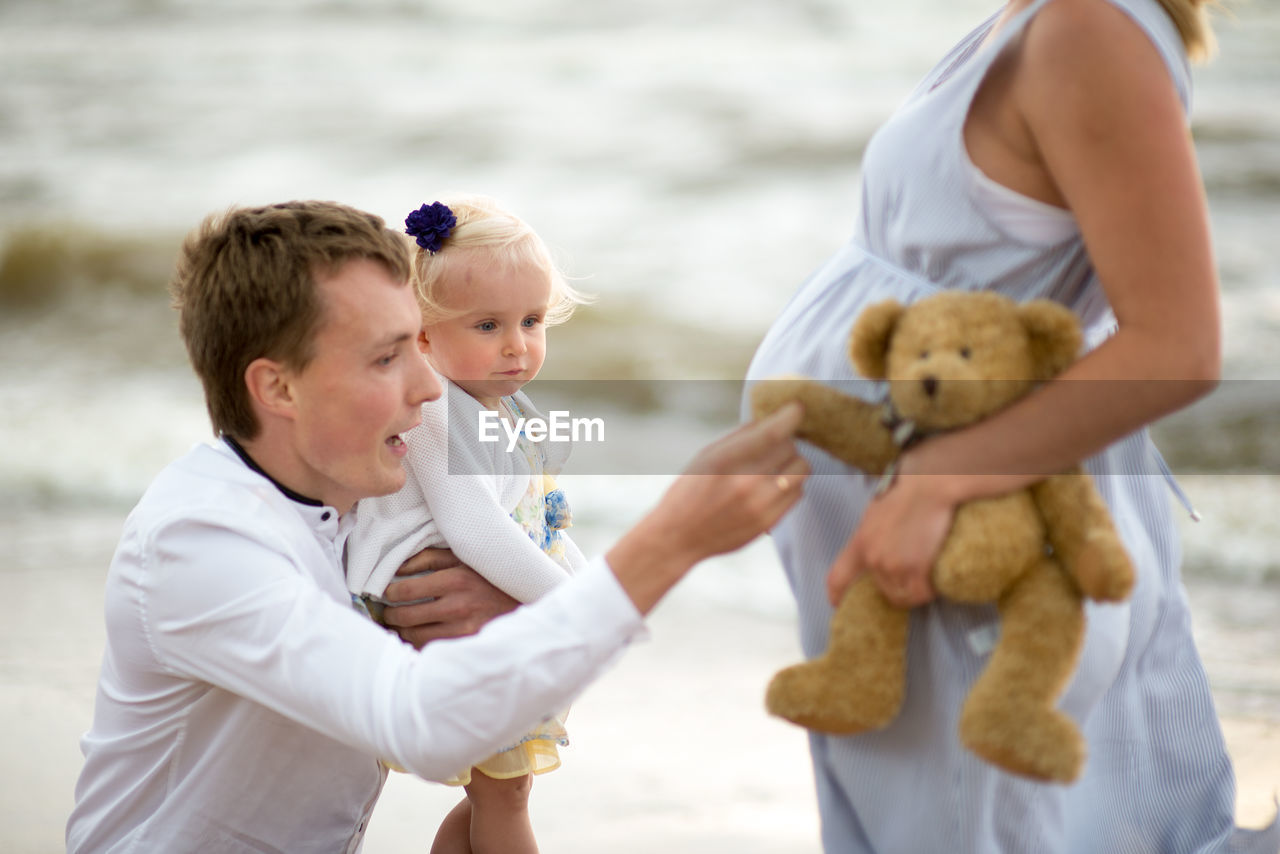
[243, 703]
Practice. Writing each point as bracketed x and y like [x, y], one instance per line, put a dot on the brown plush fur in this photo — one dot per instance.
[951, 360]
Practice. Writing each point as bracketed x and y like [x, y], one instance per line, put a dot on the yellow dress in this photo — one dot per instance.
[544, 514]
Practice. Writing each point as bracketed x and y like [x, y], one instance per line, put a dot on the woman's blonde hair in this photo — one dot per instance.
[1191, 17]
[484, 228]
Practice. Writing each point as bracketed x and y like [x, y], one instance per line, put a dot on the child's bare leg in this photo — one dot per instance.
[500, 815]
[454, 835]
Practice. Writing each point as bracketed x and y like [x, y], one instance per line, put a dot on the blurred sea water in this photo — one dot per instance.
[690, 160]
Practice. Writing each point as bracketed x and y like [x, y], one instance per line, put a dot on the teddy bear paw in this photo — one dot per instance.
[770, 395]
[815, 696]
[1103, 570]
[1043, 744]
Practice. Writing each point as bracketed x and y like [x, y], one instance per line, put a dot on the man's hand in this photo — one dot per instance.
[734, 490]
[435, 596]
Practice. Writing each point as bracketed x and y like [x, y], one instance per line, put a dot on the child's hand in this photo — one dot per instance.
[439, 597]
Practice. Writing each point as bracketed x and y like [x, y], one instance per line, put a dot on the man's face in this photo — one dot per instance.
[362, 390]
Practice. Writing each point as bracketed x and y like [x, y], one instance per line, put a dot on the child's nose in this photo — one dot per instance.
[514, 345]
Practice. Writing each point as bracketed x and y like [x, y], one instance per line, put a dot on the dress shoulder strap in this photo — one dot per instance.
[1151, 16]
[970, 59]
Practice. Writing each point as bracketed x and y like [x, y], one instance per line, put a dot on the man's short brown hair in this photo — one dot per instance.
[245, 287]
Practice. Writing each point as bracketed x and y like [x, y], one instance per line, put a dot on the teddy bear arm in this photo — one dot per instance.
[849, 429]
[1083, 535]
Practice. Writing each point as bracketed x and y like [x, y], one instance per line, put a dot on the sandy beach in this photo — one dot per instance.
[671, 751]
[720, 776]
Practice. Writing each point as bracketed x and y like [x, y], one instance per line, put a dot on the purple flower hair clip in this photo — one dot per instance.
[431, 224]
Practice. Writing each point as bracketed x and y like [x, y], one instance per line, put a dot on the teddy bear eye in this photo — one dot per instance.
[924, 354]
[965, 352]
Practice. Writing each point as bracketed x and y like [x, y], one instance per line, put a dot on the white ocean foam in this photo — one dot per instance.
[696, 159]
[102, 441]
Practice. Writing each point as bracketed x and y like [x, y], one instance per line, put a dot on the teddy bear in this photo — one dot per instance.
[950, 360]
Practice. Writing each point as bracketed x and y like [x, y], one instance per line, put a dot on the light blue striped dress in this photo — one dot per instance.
[1158, 778]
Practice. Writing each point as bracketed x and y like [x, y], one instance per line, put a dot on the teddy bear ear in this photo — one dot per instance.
[869, 343]
[1054, 333]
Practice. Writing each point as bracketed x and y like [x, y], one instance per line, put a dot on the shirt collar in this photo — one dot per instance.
[253, 464]
[324, 520]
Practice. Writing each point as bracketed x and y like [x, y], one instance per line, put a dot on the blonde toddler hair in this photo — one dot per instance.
[487, 233]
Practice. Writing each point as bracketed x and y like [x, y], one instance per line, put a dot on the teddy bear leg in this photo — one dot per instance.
[858, 683]
[1010, 718]
[1083, 535]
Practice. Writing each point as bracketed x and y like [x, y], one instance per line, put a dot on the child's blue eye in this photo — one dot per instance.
[487, 326]
[530, 321]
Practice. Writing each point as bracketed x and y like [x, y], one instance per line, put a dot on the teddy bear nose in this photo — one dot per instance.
[930, 385]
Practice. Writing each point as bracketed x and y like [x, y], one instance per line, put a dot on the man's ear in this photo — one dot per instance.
[270, 388]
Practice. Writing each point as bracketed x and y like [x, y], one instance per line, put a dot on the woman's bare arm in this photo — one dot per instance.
[1102, 119]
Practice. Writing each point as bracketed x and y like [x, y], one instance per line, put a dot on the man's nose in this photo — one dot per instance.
[425, 385]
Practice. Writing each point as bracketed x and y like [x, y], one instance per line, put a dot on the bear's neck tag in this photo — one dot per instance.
[886, 479]
[903, 432]
[902, 429]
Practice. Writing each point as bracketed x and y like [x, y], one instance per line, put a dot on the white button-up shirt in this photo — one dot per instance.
[243, 703]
